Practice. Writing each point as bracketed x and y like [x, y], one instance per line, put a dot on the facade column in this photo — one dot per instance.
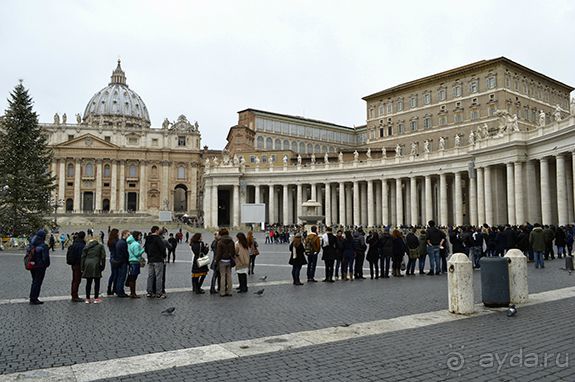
[299, 201]
[377, 201]
[62, 185]
[327, 205]
[77, 181]
[488, 196]
[98, 196]
[285, 213]
[356, 215]
[341, 201]
[562, 214]
[545, 195]
[571, 182]
[480, 196]
[510, 194]
[363, 204]
[349, 204]
[207, 205]
[399, 202]
[114, 187]
[443, 200]
[122, 188]
[334, 205]
[458, 199]
[271, 205]
[257, 196]
[313, 192]
[473, 200]
[428, 200]
[236, 206]
[370, 206]
[143, 181]
[214, 208]
[519, 193]
[533, 205]
[413, 200]
[384, 203]
[164, 193]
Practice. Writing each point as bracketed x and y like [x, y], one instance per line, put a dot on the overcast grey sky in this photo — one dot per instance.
[209, 59]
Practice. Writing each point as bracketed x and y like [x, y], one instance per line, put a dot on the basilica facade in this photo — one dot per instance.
[111, 161]
[490, 142]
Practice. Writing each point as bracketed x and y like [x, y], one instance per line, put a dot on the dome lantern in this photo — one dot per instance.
[118, 76]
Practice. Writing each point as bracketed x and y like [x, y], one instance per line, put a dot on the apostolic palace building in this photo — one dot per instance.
[489, 142]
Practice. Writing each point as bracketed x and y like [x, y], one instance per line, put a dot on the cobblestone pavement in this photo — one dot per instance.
[61, 333]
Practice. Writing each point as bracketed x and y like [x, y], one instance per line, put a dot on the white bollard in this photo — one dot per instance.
[460, 284]
[518, 289]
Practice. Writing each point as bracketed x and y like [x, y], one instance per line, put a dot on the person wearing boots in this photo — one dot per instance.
[215, 282]
[199, 249]
[399, 250]
[385, 252]
[297, 258]
[123, 260]
[242, 261]
[74, 258]
[329, 254]
[348, 257]
[135, 252]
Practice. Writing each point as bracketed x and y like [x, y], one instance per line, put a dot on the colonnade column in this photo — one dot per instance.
[327, 205]
[313, 192]
[207, 206]
[533, 206]
[236, 207]
[114, 187]
[348, 205]
[342, 220]
[356, 215]
[561, 191]
[257, 196]
[458, 200]
[122, 188]
[571, 182]
[62, 185]
[480, 197]
[334, 205]
[545, 195]
[142, 194]
[285, 212]
[363, 204]
[77, 180]
[413, 200]
[488, 197]
[428, 200]
[384, 203]
[519, 196]
[443, 199]
[473, 200]
[271, 205]
[214, 208]
[399, 201]
[510, 194]
[299, 198]
[370, 207]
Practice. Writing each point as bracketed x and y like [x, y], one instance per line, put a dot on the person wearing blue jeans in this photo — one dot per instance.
[313, 242]
[311, 265]
[538, 259]
[435, 240]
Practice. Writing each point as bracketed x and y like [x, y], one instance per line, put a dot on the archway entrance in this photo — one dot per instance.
[106, 205]
[223, 207]
[180, 198]
[132, 201]
[88, 202]
[69, 205]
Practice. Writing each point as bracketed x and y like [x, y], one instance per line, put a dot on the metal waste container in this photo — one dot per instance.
[494, 281]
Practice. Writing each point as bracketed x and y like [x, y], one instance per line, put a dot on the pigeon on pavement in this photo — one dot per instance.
[264, 278]
[259, 292]
[512, 311]
[168, 311]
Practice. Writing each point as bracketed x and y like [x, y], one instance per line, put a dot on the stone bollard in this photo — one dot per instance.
[518, 289]
[460, 284]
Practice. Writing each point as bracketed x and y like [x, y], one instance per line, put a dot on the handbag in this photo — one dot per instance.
[202, 261]
[142, 262]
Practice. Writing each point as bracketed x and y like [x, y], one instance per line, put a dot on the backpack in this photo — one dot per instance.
[30, 258]
[308, 247]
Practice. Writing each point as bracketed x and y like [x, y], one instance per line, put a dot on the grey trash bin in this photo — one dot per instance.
[494, 281]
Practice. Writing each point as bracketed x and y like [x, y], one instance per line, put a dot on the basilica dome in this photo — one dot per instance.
[117, 104]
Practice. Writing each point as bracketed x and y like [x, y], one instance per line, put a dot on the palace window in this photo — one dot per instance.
[399, 104]
[427, 98]
[294, 146]
[413, 102]
[381, 109]
[457, 91]
[181, 172]
[269, 144]
[70, 170]
[107, 171]
[474, 87]
[442, 94]
[427, 123]
[133, 171]
[381, 131]
[389, 107]
[389, 130]
[260, 142]
[154, 141]
[278, 144]
[413, 125]
[443, 120]
[458, 117]
[491, 82]
[181, 141]
[89, 170]
[474, 115]
[492, 111]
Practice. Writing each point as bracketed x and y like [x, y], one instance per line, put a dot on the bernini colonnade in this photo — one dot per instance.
[506, 178]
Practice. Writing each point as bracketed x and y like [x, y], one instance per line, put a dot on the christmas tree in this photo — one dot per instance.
[25, 158]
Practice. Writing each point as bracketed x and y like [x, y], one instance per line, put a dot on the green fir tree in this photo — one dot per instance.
[25, 179]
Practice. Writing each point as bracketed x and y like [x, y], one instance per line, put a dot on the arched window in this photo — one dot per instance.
[181, 172]
[106, 171]
[309, 148]
[154, 171]
[269, 144]
[260, 142]
[133, 171]
[278, 144]
[324, 149]
[89, 170]
[286, 145]
[294, 146]
[316, 149]
[70, 171]
[301, 148]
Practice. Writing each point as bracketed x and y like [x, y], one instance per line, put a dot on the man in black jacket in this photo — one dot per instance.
[73, 258]
[122, 256]
[172, 249]
[156, 252]
[329, 254]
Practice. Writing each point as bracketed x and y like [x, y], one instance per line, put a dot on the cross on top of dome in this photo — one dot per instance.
[118, 75]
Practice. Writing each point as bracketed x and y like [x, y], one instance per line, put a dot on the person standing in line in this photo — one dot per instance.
[338, 253]
[435, 242]
[156, 252]
[359, 248]
[422, 251]
[123, 260]
[476, 250]
[560, 241]
[373, 254]
[348, 257]
[537, 242]
[242, 261]
[312, 247]
[113, 238]
[74, 259]
[253, 250]
[135, 252]
[399, 250]
[93, 263]
[52, 242]
[199, 273]
[215, 282]
[385, 252]
[413, 247]
[225, 255]
[173, 242]
[41, 255]
[329, 254]
[297, 258]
